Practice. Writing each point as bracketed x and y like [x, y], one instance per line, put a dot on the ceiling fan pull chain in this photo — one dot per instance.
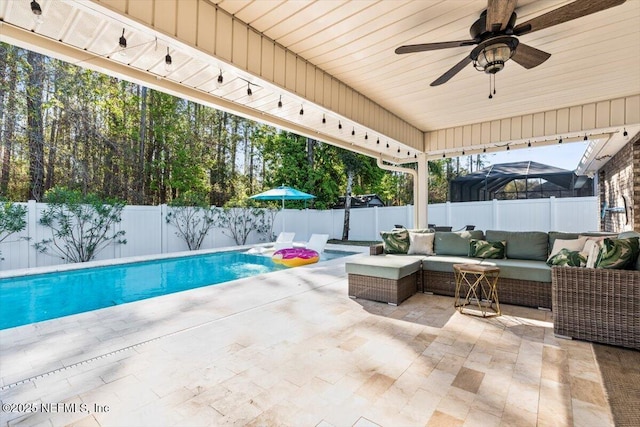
[494, 84]
[490, 96]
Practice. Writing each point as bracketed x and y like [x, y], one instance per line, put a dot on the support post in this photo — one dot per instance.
[421, 216]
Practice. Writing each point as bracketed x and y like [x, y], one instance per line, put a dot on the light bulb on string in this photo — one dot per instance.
[122, 43]
[168, 61]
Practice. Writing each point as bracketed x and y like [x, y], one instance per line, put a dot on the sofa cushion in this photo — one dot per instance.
[396, 241]
[455, 242]
[420, 243]
[392, 267]
[529, 245]
[537, 271]
[618, 253]
[484, 249]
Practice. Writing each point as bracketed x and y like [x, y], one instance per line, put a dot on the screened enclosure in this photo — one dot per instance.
[519, 180]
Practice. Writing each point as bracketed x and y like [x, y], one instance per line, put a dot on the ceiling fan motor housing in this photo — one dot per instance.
[490, 55]
[478, 29]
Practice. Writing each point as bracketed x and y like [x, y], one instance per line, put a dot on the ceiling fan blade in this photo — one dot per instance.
[498, 14]
[528, 56]
[452, 71]
[411, 48]
[577, 9]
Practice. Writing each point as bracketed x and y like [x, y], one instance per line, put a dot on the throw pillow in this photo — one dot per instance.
[567, 258]
[421, 243]
[485, 249]
[591, 249]
[395, 242]
[570, 244]
[618, 253]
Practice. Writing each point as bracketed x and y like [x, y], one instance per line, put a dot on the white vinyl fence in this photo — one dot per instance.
[148, 233]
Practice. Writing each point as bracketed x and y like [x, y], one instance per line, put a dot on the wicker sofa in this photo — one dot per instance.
[525, 278]
[591, 304]
[598, 305]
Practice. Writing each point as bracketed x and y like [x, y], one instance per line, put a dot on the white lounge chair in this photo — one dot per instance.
[317, 242]
[284, 240]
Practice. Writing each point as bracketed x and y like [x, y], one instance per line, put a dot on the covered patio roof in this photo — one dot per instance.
[333, 67]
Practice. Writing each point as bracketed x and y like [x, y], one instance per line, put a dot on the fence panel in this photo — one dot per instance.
[362, 223]
[148, 233]
[524, 215]
[143, 227]
[577, 214]
[479, 214]
[391, 216]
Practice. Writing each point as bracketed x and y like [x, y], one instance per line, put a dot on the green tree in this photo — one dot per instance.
[81, 225]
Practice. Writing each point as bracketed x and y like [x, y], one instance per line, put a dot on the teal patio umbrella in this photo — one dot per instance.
[283, 193]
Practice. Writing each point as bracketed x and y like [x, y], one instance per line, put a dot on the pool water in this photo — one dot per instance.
[34, 298]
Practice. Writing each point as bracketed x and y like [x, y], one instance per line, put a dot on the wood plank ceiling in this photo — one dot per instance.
[593, 58]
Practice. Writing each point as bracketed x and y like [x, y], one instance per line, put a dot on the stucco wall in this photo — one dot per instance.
[619, 184]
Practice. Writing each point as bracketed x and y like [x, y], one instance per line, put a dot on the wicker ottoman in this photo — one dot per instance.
[391, 279]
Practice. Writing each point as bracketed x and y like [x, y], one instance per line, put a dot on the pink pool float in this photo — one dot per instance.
[294, 257]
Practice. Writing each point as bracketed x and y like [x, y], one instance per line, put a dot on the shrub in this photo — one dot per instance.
[81, 225]
[192, 219]
[239, 223]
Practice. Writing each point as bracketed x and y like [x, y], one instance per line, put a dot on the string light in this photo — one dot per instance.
[301, 110]
[529, 144]
[387, 145]
[507, 148]
[625, 133]
[585, 138]
[35, 8]
[560, 140]
[353, 131]
[324, 119]
[220, 78]
[378, 141]
[443, 156]
[366, 136]
[122, 42]
[398, 149]
[37, 12]
[339, 125]
[484, 150]
[168, 61]
[249, 91]
[280, 102]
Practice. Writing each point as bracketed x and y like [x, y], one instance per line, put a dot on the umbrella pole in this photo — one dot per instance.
[283, 213]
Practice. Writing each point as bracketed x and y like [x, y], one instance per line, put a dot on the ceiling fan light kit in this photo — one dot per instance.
[492, 58]
[495, 34]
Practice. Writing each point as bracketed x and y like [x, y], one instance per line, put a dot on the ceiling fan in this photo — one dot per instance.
[495, 33]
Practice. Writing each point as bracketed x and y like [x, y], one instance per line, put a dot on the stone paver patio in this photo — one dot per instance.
[290, 348]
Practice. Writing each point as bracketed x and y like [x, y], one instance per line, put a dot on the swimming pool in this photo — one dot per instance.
[34, 298]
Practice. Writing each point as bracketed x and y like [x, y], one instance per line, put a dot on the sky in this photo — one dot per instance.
[565, 156]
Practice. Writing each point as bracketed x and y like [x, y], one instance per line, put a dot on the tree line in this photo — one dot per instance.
[65, 126]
